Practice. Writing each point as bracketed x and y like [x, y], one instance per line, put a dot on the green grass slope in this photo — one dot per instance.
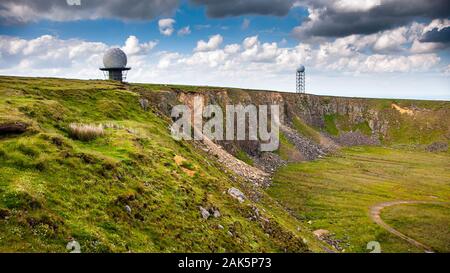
[426, 222]
[54, 188]
[336, 193]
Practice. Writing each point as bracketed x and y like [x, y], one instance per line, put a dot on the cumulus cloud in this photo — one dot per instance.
[133, 47]
[351, 54]
[166, 59]
[391, 40]
[218, 9]
[24, 11]
[431, 37]
[213, 43]
[166, 26]
[232, 48]
[251, 63]
[48, 55]
[419, 47]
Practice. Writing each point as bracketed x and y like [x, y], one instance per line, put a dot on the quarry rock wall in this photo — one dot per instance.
[313, 126]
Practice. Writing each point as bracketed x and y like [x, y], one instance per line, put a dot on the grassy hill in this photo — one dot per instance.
[54, 187]
[130, 187]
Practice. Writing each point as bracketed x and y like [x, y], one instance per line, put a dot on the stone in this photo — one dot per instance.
[437, 147]
[205, 213]
[321, 233]
[237, 194]
[128, 209]
[216, 213]
[144, 103]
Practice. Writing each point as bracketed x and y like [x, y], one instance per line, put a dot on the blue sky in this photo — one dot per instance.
[253, 44]
[115, 31]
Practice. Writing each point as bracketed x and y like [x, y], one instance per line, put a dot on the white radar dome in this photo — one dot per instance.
[301, 68]
[115, 58]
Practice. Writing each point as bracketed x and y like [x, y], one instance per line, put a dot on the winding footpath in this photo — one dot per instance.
[375, 212]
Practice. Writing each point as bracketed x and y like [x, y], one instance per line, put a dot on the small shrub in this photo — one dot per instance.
[85, 132]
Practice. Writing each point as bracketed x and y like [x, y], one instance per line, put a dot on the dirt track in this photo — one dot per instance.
[375, 212]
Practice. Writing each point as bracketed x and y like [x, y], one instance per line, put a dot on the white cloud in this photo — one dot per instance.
[232, 49]
[437, 23]
[184, 31]
[419, 47]
[167, 58]
[47, 52]
[213, 43]
[133, 47]
[209, 58]
[49, 56]
[166, 26]
[384, 63]
[250, 42]
[253, 64]
[391, 40]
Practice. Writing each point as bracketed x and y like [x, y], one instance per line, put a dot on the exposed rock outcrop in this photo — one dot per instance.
[326, 123]
[237, 194]
[356, 139]
[305, 146]
[437, 147]
[16, 127]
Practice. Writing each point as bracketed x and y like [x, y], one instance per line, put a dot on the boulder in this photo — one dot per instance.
[216, 213]
[321, 233]
[13, 128]
[237, 194]
[205, 213]
[128, 209]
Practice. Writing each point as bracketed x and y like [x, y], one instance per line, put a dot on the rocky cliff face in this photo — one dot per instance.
[312, 126]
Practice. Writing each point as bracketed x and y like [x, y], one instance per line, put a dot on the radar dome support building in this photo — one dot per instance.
[115, 62]
[300, 75]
